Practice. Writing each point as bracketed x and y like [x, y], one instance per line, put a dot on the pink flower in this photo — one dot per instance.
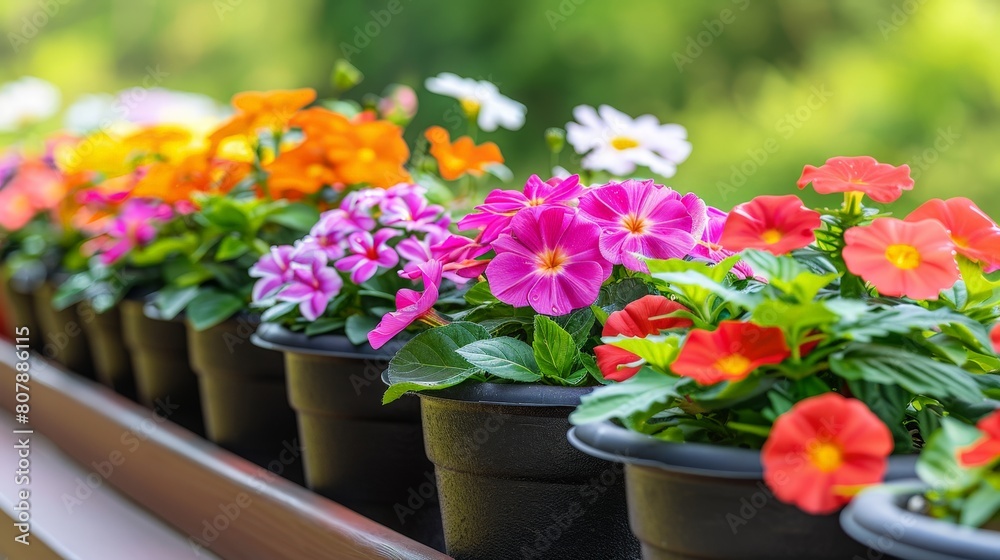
[330, 232]
[549, 261]
[496, 213]
[274, 269]
[639, 219]
[453, 251]
[312, 286]
[411, 306]
[136, 226]
[412, 212]
[369, 253]
[708, 247]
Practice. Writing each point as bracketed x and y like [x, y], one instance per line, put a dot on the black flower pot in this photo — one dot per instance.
[63, 333]
[357, 452]
[164, 380]
[510, 484]
[243, 397]
[879, 520]
[20, 300]
[696, 501]
[112, 362]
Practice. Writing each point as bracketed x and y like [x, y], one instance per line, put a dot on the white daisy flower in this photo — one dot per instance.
[617, 143]
[481, 100]
[26, 101]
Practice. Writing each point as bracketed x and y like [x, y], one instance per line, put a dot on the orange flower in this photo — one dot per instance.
[881, 181]
[464, 156]
[975, 234]
[729, 353]
[173, 183]
[987, 449]
[642, 317]
[821, 450]
[912, 259]
[776, 224]
[262, 109]
[300, 171]
[370, 153]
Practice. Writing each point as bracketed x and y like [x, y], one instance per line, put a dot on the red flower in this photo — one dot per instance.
[881, 181]
[987, 449]
[729, 353]
[915, 260]
[776, 224]
[642, 317]
[974, 233]
[995, 337]
[822, 450]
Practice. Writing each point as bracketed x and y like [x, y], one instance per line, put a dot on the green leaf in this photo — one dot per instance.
[578, 324]
[918, 374]
[504, 357]
[795, 319]
[232, 247]
[659, 351]
[938, 463]
[226, 214]
[279, 309]
[554, 348]
[615, 297]
[296, 216]
[480, 294]
[639, 393]
[324, 325]
[981, 505]
[358, 326]
[889, 403]
[172, 300]
[158, 251]
[72, 291]
[431, 360]
[865, 325]
[211, 307]
[698, 286]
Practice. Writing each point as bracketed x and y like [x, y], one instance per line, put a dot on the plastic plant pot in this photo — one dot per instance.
[20, 311]
[510, 484]
[355, 451]
[63, 333]
[112, 362]
[689, 500]
[243, 397]
[164, 380]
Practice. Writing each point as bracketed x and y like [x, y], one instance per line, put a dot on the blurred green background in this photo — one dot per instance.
[762, 87]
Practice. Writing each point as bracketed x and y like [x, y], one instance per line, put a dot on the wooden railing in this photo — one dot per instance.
[221, 503]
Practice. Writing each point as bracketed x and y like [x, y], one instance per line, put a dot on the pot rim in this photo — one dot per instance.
[611, 442]
[150, 310]
[273, 336]
[507, 394]
[878, 515]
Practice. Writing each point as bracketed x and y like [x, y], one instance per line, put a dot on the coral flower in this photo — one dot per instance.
[16, 209]
[312, 286]
[369, 253]
[638, 220]
[995, 337]
[550, 260]
[729, 353]
[643, 317]
[880, 181]
[912, 259]
[499, 208]
[987, 449]
[411, 306]
[777, 224]
[975, 234]
[461, 157]
[822, 450]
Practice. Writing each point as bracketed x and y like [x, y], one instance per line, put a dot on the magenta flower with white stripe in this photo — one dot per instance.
[368, 253]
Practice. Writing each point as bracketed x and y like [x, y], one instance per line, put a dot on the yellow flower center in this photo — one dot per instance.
[634, 224]
[471, 107]
[315, 170]
[624, 143]
[960, 241]
[733, 365]
[551, 261]
[771, 236]
[905, 257]
[826, 457]
[366, 155]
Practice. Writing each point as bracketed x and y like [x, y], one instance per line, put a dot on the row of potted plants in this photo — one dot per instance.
[728, 381]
